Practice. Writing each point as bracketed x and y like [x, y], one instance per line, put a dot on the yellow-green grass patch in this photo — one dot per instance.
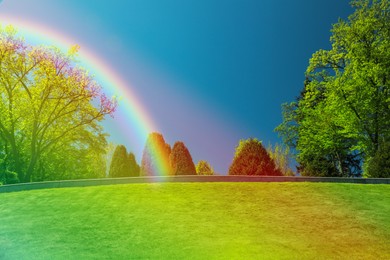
[198, 221]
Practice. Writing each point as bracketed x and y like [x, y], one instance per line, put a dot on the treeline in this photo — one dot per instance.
[159, 159]
[50, 111]
[340, 123]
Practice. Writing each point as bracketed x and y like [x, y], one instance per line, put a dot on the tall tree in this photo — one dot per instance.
[44, 100]
[155, 157]
[343, 114]
[251, 158]
[134, 169]
[120, 163]
[181, 161]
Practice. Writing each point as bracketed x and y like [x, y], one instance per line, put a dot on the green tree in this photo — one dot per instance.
[134, 169]
[204, 168]
[121, 166]
[343, 114]
[45, 101]
[181, 161]
[74, 157]
[251, 158]
[8, 177]
[281, 156]
[155, 157]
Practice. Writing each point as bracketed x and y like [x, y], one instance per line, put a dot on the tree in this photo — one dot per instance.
[181, 161]
[251, 158]
[46, 101]
[343, 113]
[281, 156]
[120, 163]
[110, 149]
[134, 169]
[123, 164]
[80, 156]
[204, 168]
[155, 157]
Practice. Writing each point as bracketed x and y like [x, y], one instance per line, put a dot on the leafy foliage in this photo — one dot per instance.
[281, 156]
[181, 161]
[8, 177]
[343, 112]
[204, 168]
[251, 158]
[155, 157]
[379, 165]
[49, 111]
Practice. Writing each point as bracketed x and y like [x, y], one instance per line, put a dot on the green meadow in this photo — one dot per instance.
[198, 221]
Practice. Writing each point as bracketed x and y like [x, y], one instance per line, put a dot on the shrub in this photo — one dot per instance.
[204, 168]
[9, 177]
[251, 158]
[317, 166]
[379, 165]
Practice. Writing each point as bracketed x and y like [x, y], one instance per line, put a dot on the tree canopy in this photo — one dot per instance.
[342, 116]
[49, 110]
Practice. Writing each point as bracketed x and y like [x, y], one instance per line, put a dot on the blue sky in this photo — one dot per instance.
[208, 72]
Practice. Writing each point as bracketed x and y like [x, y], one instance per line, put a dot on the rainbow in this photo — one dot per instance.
[135, 115]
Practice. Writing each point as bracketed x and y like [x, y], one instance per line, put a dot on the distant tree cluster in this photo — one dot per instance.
[340, 123]
[158, 159]
[123, 164]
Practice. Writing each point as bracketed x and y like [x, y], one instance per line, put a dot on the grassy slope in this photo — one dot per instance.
[198, 221]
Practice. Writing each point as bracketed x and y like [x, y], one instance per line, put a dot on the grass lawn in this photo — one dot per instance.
[198, 221]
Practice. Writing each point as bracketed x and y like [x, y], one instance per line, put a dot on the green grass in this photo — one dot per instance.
[198, 221]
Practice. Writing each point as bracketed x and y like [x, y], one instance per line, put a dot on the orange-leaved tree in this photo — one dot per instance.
[181, 160]
[251, 158]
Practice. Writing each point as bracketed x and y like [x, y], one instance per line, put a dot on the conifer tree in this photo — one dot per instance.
[134, 169]
[204, 168]
[181, 160]
[251, 158]
[155, 157]
[120, 164]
